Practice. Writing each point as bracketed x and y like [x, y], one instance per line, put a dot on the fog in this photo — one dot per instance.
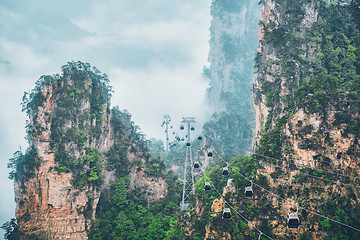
[153, 52]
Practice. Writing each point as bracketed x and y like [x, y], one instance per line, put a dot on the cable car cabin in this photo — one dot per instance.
[207, 186]
[210, 154]
[226, 213]
[196, 165]
[248, 192]
[225, 171]
[292, 220]
[200, 138]
[188, 144]
[192, 128]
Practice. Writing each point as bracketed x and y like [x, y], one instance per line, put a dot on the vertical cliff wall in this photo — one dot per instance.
[77, 146]
[283, 41]
[305, 97]
[233, 42]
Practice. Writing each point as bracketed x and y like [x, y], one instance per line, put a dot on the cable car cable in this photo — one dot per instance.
[318, 214]
[300, 159]
[229, 165]
[330, 219]
[241, 214]
[356, 167]
[339, 174]
[313, 176]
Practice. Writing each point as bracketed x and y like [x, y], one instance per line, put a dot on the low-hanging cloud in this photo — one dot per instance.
[150, 94]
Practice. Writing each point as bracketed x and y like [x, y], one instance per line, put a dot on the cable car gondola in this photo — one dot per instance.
[207, 186]
[249, 191]
[226, 213]
[292, 219]
[196, 165]
[210, 154]
[225, 171]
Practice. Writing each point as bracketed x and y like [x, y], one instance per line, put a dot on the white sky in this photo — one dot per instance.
[152, 50]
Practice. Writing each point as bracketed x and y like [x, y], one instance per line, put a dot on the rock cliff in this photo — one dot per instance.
[278, 71]
[306, 100]
[233, 43]
[306, 112]
[77, 146]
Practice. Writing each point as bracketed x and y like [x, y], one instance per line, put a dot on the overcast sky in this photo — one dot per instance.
[153, 51]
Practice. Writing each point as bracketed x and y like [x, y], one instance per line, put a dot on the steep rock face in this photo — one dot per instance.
[233, 43]
[307, 103]
[279, 22]
[48, 205]
[314, 137]
[307, 113]
[79, 147]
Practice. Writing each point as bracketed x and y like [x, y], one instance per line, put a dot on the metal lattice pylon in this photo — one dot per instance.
[188, 186]
[166, 123]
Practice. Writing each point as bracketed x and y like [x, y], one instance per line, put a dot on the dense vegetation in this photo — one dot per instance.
[71, 92]
[23, 165]
[321, 69]
[322, 72]
[127, 215]
[328, 78]
[235, 226]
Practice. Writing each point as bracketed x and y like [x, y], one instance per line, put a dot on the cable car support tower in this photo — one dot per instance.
[187, 124]
[166, 122]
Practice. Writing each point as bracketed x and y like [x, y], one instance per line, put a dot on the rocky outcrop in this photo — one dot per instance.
[230, 187]
[216, 209]
[270, 61]
[312, 150]
[48, 206]
[306, 99]
[233, 38]
[59, 200]
[233, 43]
[155, 188]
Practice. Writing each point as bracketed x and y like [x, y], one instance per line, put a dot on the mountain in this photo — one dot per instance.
[81, 154]
[306, 99]
[233, 42]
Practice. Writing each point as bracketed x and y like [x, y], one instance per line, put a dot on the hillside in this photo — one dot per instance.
[307, 118]
[84, 157]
